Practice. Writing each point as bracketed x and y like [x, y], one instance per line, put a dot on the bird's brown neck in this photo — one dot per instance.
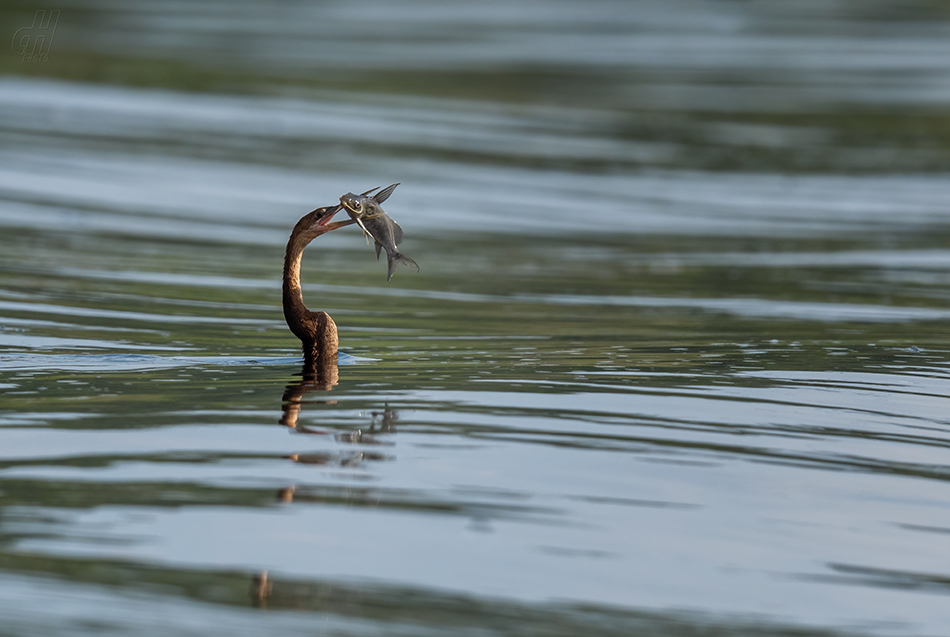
[316, 330]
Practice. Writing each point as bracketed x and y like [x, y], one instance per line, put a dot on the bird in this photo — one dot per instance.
[316, 330]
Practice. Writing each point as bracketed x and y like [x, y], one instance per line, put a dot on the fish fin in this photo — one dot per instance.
[378, 246]
[397, 232]
[366, 232]
[369, 191]
[383, 194]
[398, 258]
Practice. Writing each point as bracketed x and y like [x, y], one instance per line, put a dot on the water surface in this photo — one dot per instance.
[675, 362]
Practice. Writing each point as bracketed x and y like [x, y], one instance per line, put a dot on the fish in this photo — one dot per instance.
[386, 233]
[326, 213]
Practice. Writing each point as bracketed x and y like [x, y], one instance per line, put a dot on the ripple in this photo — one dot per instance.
[145, 362]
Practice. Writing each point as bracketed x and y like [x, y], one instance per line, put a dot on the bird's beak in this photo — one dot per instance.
[338, 224]
[327, 214]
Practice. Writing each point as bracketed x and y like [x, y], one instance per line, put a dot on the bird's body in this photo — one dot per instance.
[316, 330]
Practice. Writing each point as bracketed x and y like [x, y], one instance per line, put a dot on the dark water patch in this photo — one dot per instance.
[851, 574]
[343, 608]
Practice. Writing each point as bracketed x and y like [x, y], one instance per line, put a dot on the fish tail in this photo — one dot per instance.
[398, 258]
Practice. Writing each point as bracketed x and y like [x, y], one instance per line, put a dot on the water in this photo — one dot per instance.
[675, 362]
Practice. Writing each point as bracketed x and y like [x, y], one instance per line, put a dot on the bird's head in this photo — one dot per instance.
[319, 222]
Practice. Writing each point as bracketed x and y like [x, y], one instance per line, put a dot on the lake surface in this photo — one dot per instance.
[676, 361]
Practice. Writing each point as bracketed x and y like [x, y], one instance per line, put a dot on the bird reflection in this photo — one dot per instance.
[386, 425]
[313, 378]
[266, 592]
[261, 589]
[324, 378]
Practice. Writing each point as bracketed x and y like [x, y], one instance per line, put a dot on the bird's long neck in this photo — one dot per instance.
[294, 309]
[316, 330]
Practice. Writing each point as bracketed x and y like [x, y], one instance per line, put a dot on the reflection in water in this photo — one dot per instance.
[386, 425]
[261, 589]
[419, 611]
[313, 378]
[324, 378]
